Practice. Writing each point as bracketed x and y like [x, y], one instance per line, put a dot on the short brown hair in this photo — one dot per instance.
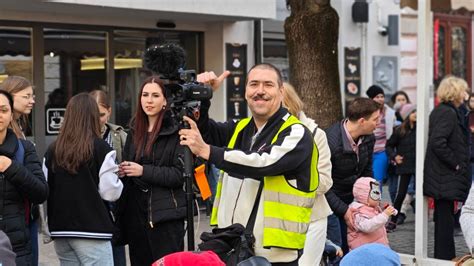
[361, 108]
[269, 67]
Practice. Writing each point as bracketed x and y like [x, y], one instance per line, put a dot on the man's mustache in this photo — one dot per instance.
[260, 97]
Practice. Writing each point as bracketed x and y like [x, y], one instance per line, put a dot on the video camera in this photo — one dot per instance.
[183, 93]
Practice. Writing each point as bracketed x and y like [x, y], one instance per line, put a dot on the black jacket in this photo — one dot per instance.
[160, 188]
[75, 207]
[18, 183]
[447, 150]
[347, 167]
[405, 146]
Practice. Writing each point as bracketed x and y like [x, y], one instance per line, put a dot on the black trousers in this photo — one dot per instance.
[403, 183]
[444, 230]
[147, 245]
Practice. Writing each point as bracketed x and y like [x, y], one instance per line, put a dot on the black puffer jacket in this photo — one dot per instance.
[18, 183]
[447, 173]
[161, 185]
[406, 147]
[346, 167]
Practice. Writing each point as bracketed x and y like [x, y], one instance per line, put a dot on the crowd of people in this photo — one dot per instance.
[311, 194]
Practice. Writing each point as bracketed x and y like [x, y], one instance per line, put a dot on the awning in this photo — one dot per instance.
[442, 5]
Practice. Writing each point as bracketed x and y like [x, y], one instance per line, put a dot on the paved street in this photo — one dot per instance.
[402, 240]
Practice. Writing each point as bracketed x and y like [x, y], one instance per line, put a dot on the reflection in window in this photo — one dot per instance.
[459, 51]
[73, 63]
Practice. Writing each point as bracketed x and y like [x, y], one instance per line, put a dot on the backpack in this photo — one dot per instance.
[20, 153]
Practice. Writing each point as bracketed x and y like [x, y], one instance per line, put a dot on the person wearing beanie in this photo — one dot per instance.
[382, 133]
[401, 149]
[369, 218]
[371, 254]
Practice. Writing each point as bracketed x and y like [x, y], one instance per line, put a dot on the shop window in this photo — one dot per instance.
[15, 59]
[452, 42]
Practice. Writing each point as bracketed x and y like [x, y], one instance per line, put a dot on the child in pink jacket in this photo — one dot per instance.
[369, 219]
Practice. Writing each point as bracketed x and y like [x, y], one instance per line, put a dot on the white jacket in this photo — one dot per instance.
[321, 207]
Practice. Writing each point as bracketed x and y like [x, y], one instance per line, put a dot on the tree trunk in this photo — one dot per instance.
[311, 32]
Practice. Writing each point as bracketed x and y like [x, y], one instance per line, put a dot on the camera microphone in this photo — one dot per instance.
[165, 60]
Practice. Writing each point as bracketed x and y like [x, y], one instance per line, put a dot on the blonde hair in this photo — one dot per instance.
[451, 88]
[291, 100]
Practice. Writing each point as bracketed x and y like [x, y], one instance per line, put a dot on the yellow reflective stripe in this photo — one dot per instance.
[240, 126]
[217, 198]
[314, 181]
[305, 202]
[286, 212]
[286, 225]
[280, 184]
[284, 239]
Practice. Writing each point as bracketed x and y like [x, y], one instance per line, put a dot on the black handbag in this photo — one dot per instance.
[235, 243]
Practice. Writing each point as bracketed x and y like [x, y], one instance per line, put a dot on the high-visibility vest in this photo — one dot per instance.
[286, 210]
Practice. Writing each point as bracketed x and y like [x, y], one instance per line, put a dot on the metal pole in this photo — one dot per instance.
[424, 57]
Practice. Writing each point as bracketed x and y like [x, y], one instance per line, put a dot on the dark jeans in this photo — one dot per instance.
[334, 230]
[34, 240]
[147, 245]
[444, 230]
[343, 226]
[119, 255]
[401, 193]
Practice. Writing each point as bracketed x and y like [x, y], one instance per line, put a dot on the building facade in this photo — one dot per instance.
[70, 46]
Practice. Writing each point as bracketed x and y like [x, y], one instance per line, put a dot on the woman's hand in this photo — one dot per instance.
[5, 162]
[399, 159]
[127, 168]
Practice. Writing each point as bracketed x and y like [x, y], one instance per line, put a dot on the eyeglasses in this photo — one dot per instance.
[27, 96]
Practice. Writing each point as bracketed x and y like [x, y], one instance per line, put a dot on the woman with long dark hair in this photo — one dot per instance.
[81, 171]
[115, 136]
[153, 207]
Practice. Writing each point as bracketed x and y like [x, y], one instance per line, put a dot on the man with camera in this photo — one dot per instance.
[269, 158]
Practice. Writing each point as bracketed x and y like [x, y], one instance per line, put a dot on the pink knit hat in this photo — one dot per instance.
[361, 189]
[406, 110]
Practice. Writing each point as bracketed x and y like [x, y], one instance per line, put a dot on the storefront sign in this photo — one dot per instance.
[236, 63]
[352, 71]
[54, 120]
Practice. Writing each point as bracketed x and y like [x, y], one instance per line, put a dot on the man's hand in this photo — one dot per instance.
[210, 78]
[193, 139]
[348, 217]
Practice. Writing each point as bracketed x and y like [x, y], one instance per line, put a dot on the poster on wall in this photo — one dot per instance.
[352, 71]
[385, 73]
[236, 63]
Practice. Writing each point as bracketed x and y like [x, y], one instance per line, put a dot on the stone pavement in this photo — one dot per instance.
[402, 240]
